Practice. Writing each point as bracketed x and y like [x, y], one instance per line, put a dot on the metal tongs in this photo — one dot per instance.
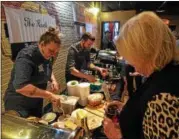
[84, 125]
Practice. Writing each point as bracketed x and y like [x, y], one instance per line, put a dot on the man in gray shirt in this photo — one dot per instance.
[78, 59]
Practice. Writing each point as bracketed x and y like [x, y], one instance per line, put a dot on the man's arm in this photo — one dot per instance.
[93, 67]
[34, 92]
[53, 77]
[70, 67]
[22, 80]
[54, 84]
[103, 72]
[31, 91]
[79, 74]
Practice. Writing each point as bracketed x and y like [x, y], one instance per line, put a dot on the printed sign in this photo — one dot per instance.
[24, 26]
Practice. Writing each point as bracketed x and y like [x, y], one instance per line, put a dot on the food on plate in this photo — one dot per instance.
[93, 123]
[78, 115]
[95, 99]
[97, 83]
[81, 114]
[49, 117]
[33, 119]
[92, 120]
[70, 124]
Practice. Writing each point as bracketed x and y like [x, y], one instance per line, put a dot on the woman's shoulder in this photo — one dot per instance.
[27, 51]
[161, 118]
[26, 54]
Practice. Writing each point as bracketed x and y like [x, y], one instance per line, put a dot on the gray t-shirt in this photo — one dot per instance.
[78, 58]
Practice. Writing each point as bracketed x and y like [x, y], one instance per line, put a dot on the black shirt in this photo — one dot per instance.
[30, 67]
[130, 79]
[132, 115]
[78, 58]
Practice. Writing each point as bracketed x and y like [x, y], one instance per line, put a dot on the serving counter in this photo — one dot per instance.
[19, 128]
[14, 127]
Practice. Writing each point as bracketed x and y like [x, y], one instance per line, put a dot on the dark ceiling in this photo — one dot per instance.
[161, 7]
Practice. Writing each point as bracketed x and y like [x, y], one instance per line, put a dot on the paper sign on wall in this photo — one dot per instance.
[24, 26]
[89, 28]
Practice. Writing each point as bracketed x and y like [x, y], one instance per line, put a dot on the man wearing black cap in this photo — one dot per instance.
[78, 60]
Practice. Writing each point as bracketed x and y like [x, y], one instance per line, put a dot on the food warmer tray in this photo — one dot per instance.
[16, 127]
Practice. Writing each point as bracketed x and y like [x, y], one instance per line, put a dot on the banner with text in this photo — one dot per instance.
[24, 26]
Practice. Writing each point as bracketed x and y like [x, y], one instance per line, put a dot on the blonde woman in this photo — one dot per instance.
[153, 111]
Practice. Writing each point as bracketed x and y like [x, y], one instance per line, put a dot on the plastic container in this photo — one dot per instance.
[95, 99]
[69, 104]
[96, 86]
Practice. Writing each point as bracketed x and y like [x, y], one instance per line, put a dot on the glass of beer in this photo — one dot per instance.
[112, 112]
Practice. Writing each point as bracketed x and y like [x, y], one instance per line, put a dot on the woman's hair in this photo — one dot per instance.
[147, 39]
[52, 35]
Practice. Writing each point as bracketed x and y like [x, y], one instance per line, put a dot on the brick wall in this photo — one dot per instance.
[65, 15]
[62, 11]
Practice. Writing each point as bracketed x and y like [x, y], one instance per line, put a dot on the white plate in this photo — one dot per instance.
[92, 121]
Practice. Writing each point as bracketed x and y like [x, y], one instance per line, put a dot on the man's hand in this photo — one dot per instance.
[103, 72]
[134, 74]
[55, 86]
[90, 78]
[55, 99]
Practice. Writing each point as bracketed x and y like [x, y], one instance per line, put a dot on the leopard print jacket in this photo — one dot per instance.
[161, 119]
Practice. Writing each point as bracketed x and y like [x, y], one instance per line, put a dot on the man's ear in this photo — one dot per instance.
[82, 41]
[42, 43]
